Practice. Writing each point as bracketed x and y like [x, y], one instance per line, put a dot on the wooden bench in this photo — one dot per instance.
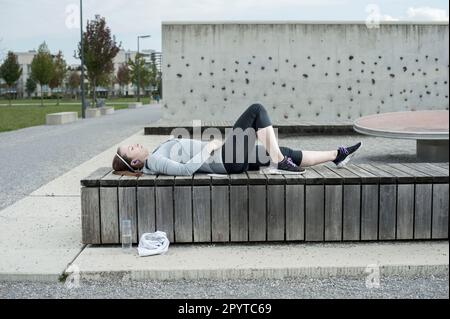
[358, 203]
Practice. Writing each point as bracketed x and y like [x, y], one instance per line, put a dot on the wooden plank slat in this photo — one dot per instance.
[201, 208]
[366, 177]
[109, 215]
[90, 215]
[423, 209]
[437, 175]
[256, 178]
[419, 177]
[329, 176]
[183, 180]
[388, 194]
[183, 214]
[165, 180]
[146, 180]
[401, 176]
[146, 210]
[126, 181]
[312, 177]
[351, 212]
[164, 210]
[128, 210]
[201, 179]
[405, 211]
[220, 214]
[347, 176]
[93, 179]
[295, 212]
[238, 213]
[437, 167]
[369, 212]
[439, 228]
[257, 212]
[110, 180]
[333, 212]
[275, 212]
[384, 177]
[314, 212]
[239, 179]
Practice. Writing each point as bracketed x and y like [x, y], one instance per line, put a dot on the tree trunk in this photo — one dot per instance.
[94, 94]
[42, 96]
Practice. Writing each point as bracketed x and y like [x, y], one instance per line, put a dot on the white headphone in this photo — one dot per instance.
[128, 165]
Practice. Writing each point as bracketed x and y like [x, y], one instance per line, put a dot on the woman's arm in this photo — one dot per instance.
[164, 165]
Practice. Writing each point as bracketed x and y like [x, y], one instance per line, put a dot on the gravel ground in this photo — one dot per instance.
[42, 153]
[341, 288]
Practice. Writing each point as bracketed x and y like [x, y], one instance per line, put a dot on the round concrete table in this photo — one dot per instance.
[428, 128]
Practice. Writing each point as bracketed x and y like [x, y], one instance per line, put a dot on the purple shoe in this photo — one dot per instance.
[345, 154]
[288, 165]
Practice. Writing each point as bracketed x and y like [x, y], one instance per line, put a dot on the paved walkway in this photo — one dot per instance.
[36, 155]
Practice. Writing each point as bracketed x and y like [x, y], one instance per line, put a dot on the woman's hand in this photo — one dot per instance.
[214, 145]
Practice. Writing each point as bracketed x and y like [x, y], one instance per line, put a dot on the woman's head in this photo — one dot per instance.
[134, 155]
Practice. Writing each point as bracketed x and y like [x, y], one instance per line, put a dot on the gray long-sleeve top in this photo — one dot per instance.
[181, 156]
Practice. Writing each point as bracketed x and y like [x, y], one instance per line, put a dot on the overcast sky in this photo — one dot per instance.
[24, 24]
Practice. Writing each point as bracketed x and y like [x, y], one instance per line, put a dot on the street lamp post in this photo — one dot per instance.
[138, 67]
[83, 102]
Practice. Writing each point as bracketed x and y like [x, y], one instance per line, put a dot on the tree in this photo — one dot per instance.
[74, 82]
[123, 76]
[100, 48]
[145, 74]
[42, 68]
[10, 71]
[30, 86]
[59, 73]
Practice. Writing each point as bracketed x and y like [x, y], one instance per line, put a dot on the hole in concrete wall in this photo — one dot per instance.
[291, 106]
[165, 106]
[426, 85]
[382, 102]
[223, 69]
[265, 94]
[389, 68]
[413, 74]
[223, 88]
[437, 69]
[370, 94]
[274, 107]
[225, 99]
[392, 75]
[372, 72]
[182, 56]
[187, 64]
[293, 88]
[308, 57]
[285, 116]
[237, 62]
[326, 73]
[419, 70]
[359, 92]
[299, 114]
[405, 69]
[445, 82]
[309, 102]
[435, 83]
[276, 70]
[168, 65]
[232, 92]
[328, 58]
[295, 65]
[287, 61]
[183, 102]
[244, 94]
[373, 81]
[235, 70]
[254, 57]
[204, 100]
[202, 58]
[401, 58]
[424, 73]
[339, 115]
[317, 113]
[191, 90]
[212, 73]
[179, 75]
[420, 95]
[270, 58]
[313, 65]
[283, 85]
[391, 95]
[436, 59]
[417, 60]
[338, 61]
[212, 61]
[232, 80]
[362, 71]
[379, 57]
[351, 99]
[337, 74]
[349, 88]
[358, 81]
[349, 70]
[376, 63]
[305, 75]
[249, 62]
[350, 57]
[246, 72]
[213, 86]
[200, 74]
[247, 81]
[273, 83]
[262, 68]
[362, 62]
[428, 92]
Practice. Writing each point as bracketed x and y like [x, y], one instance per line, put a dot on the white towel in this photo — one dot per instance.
[153, 244]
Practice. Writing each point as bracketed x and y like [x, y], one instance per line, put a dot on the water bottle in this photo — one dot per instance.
[126, 235]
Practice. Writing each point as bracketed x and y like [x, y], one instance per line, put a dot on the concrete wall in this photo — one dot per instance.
[322, 72]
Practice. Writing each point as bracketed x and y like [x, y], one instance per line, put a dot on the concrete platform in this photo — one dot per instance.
[92, 112]
[61, 118]
[134, 105]
[267, 261]
[106, 110]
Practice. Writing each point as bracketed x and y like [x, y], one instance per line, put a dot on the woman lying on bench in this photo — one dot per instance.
[239, 152]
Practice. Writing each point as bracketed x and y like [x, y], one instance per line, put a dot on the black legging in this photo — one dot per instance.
[243, 137]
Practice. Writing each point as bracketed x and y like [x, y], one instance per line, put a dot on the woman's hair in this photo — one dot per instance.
[120, 168]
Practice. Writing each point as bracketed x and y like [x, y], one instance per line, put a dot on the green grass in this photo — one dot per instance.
[20, 116]
[48, 102]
